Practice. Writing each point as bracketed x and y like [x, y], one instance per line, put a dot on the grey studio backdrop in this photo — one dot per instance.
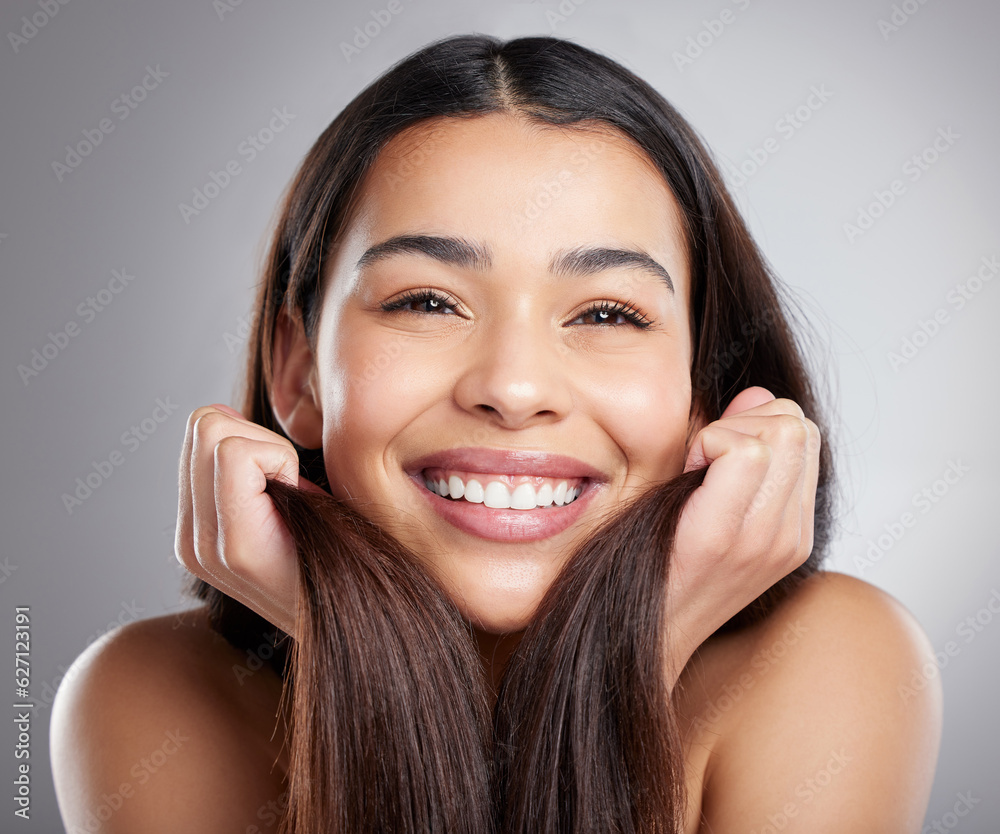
[859, 139]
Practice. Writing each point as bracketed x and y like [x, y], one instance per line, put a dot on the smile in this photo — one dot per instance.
[505, 522]
[506, 495]
[501, 492]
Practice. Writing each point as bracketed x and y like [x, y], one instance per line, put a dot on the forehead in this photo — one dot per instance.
[521, 187]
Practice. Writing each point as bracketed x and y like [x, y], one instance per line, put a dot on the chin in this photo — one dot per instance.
[497, 610]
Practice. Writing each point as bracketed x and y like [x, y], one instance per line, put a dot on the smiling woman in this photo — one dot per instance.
[564, 335]
[498, 539]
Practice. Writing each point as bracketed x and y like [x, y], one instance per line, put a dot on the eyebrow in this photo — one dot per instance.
[591, 260]
[455, 251]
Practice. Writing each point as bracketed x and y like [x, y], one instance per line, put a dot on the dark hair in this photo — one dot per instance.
[391, 726]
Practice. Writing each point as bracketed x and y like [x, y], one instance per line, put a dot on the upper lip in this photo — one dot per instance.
[507, 462]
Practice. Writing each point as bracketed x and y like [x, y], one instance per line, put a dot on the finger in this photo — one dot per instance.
[277, 607]
[810, 482]
[748, 398]
[303, 483]
[241, 469]
[253, 541]
[232, 412]
[184, 536]
[773, 428]
[788, 434]
[780, 405]
[209, 429]
[782, 515]
[788, 437]
[738, 464]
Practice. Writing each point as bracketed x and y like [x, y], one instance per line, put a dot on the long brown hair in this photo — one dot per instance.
[393, 727]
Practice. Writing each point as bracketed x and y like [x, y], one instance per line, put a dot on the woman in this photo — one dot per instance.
[568, 578]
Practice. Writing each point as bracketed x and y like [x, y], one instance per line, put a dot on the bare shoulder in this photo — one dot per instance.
[815, 715]
[163, 726]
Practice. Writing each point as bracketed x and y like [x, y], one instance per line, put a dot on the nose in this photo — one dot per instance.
[515, 372]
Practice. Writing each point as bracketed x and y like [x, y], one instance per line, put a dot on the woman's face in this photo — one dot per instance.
[519, 232]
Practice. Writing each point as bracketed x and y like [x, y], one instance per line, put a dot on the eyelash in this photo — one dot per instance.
[629, 313]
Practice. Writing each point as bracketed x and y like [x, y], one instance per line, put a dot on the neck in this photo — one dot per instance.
[494, 651]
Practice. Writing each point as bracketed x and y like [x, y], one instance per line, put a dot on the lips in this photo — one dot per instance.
[522, 492]
[507, 462]
[508, 525]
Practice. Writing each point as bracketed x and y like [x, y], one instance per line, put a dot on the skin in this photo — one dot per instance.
[516, 366]
[518, 362]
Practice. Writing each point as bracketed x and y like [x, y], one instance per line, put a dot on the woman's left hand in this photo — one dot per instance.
[749, 524]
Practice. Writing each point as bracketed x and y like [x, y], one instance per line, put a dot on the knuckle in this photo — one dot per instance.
[229, 448]
[286, 445]
[204, 537]
[184, 556]
[793, 429]
[205, 550]
[756, 450]
[790, 407]
[235, 563]
[208, 420]
[195, 416]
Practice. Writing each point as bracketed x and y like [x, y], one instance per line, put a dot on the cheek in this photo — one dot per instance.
[645, 413]
[356, 376]
[373, 385]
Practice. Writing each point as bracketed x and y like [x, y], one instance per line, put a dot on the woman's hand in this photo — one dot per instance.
[228, 531]
[749, 524]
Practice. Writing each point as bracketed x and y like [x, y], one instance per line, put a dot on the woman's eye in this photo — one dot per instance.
[429, 301]
[606, 313]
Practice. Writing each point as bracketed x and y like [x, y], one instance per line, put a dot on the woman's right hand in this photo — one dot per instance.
[228, 530]
[749, 524]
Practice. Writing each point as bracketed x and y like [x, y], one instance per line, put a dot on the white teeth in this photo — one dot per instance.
[523, 497]
[497, 495]
[474, 492]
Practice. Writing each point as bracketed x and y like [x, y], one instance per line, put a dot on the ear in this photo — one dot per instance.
[294, 389]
